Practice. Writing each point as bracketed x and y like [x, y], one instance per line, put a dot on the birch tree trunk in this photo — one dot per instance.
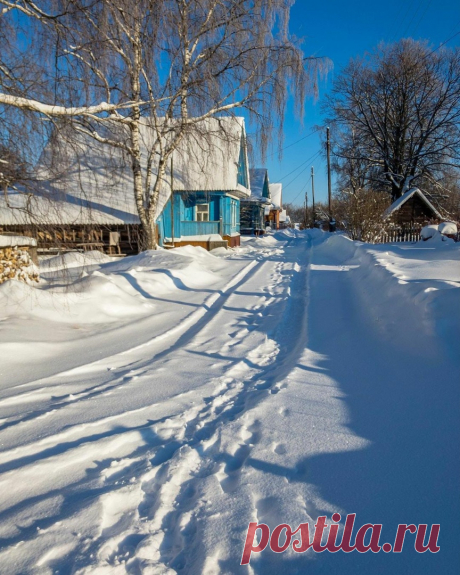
[118, 66]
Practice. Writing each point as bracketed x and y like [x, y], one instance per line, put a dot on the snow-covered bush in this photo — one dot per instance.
[448, 229]
[433, 234]
[429, 232]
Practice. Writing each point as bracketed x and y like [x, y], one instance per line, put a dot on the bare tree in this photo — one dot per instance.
[396, 116]
[128, 67]
[360, 213]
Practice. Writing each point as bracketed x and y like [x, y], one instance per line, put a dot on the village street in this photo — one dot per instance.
[301, 375]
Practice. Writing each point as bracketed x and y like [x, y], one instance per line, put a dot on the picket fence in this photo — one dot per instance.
[395, 236]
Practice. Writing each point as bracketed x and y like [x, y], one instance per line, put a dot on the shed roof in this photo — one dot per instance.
[396, 205]
[82, 181]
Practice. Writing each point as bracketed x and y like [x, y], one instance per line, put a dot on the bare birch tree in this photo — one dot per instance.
[125, 64]
[396, 116]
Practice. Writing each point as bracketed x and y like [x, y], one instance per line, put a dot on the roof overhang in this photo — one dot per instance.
[396, 205]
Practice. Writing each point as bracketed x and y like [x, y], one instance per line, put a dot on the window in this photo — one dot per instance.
[202, 213]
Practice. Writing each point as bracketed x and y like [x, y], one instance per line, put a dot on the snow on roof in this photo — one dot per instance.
[257, 181]
[92, 183]
[276, 194]
[15, 241]
[403, 199]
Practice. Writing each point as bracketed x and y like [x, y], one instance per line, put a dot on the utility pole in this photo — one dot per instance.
[306, 209]
[329, 192]
[313, 193]
[172, 202]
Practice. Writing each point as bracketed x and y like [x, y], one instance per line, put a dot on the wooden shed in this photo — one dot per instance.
[412, 211]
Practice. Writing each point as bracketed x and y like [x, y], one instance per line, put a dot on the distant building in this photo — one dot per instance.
[272, 215]
[253, 207]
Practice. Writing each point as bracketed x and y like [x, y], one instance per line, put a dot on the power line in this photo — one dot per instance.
[294, 143]
[301, 191]
[294, 170]
[422, 16]
[302, 171]
[413, 17]
[401, 22]
[445, 42]
[305, 185]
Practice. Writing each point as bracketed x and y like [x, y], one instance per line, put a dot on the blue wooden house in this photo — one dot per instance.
[89, 202]
[210, 178]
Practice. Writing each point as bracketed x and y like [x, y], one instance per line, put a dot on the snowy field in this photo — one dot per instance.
[151, 407]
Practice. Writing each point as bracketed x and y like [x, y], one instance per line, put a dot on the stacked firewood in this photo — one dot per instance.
[16, 263]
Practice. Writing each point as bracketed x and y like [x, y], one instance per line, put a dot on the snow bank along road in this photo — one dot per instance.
[153, 408]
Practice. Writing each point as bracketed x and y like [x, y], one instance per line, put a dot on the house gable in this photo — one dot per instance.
[412, 209]
[243, 172]
[260, 188]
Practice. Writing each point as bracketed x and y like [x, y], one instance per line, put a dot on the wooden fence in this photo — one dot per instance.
[398, 236]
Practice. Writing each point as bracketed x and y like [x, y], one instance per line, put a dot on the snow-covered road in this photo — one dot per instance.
[299, 376]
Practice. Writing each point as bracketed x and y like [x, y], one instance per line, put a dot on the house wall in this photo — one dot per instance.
[252, 217]
[81, 237]
[224, 217]
[273, 219]
[413, 214]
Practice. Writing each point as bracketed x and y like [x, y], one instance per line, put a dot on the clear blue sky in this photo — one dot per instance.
[340, 30]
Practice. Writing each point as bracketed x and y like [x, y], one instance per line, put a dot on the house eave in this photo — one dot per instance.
[407, 196]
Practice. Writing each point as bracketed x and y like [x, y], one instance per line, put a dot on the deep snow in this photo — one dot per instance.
[151, 407]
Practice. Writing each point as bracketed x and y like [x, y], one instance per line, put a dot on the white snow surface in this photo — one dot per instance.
[448, 228]
[151, 407]
[428, 232]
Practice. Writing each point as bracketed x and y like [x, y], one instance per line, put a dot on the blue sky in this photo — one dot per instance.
[341, 30]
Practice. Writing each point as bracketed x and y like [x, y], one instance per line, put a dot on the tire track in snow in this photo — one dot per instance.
[235, 393]
[183, 332]
[175, 503]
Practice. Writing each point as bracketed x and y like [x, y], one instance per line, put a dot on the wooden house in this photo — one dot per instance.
[411, 212]
[210, 181]
[253, 208]
[85, 200]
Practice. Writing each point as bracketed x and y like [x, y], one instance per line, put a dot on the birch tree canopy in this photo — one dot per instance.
[104, 66]
[395, 116]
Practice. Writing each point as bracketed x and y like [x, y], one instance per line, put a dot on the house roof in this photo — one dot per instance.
[259, 184]
[276, 191]
[86, 182]
[407, 196]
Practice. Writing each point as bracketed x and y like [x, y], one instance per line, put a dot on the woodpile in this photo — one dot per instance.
[16, 263]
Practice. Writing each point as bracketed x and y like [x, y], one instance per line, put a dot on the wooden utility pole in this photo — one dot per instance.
[329, 190]
[172, 202]
[313, 194]
[306, 209]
